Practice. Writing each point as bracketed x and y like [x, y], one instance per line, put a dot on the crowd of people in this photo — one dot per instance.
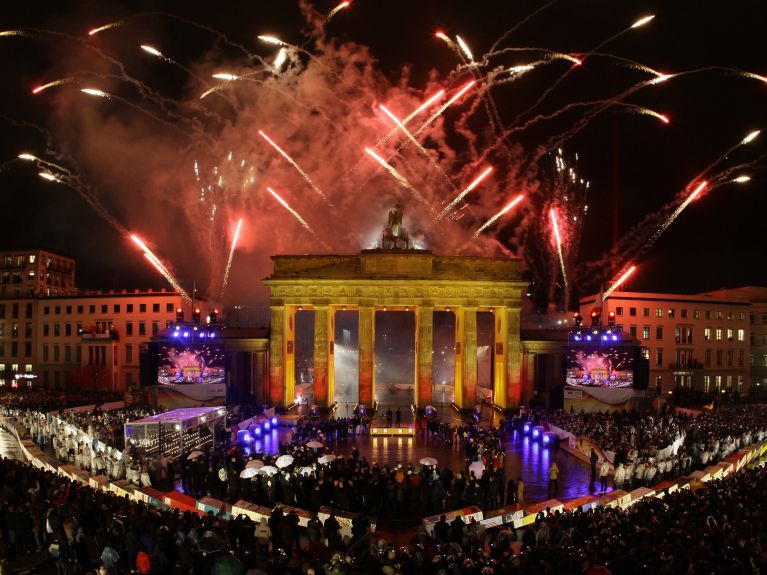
[46, 400]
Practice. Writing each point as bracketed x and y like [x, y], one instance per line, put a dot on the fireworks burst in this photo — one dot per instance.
[229, 260]
[295, 214]
[492, 220]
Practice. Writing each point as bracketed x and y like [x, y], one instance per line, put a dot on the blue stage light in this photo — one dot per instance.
[175, 334]
[577, 338]
[186, 334]
[274, 421]
[267, 425]
[202, 334]
[615, 338]
[545, 439]
[526, 428]
[211, 335]
[588, 338]
[247, 438]
[535, 433]
[257, 430]
[604, 338]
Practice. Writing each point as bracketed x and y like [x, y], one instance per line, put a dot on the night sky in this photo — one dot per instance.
[635, 163]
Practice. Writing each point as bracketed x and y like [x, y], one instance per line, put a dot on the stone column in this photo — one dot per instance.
[320, 360]
[469, 321]
[276, 393]
[424, 347]
[260, 388]
[282, 359]
[458, 376]
[500, 339]
[366, 338]
[514, 384]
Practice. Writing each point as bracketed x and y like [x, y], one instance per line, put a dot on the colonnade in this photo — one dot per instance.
[506, 383]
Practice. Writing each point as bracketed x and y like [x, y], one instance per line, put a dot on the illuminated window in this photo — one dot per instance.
[2, 367]
[741, 315]
[729, 382]
[764, 360]
[619, 310]
[719, 314]
[671, 312]
[730, 315]
[646, 353]
[718, 382]
[658, 381]
[28, 367]
[729, 334]
[658, 312]
[719, 334]
[740, 383]
[31, 258]
[706, 383]
[646, 332]
[15, 367]
[696, 314]
[741, 335]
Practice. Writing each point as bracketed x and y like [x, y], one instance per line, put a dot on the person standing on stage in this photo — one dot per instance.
[553, 479]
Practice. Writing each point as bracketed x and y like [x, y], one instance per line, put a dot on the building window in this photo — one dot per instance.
[729, 382]
[27, 349]
[671, 312]
[68, 329]
[28, 311]
[658, 312]
[659, 332]
[741, 334]
[719, 314]
[764, 360]
[15, 311]
[683, 313]
[740, 383]
[633, 331]
[56, 353]
[116, 308]
[646, 332]
[14, 349]
[707, 334]
[706, 383]
[31, 258]
[752, 317]
[129, 308]
[730, 355]
[28, 367]
[751, 360]
[730, 315]
[80, 309]
[28, 329]
[719, 334]
[718, 382]
[741, 357]
[677, 335]
[45, 353]
[142, 308]
[56, 329]
[632, 311]
[707, 357]
[659, 356]
[719, 355]
[619, 310]
[646, 312]
[708, 314]
[169, 307]
[129, 328]
[658, 381]
[729, 334]
[696, 314]
[142, 328]
[69, 309]
[155, 308]
[128, 353]
[156, 327]
[68, 353]
[645, 353]
[91, 308]
[57, 310]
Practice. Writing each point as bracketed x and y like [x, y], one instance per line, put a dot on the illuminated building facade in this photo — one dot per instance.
[699, 342]
[412, 281]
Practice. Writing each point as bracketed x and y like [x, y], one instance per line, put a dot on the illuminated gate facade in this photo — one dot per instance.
[413, 280]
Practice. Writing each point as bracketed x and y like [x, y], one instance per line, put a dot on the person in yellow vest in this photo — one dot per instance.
[553, 479]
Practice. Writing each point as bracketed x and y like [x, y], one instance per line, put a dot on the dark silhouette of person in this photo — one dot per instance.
[399, 417]
[388, 417]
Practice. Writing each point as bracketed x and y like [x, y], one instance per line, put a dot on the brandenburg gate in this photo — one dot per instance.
[397, 280]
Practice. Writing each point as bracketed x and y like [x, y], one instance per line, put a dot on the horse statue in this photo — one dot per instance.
[395, 235]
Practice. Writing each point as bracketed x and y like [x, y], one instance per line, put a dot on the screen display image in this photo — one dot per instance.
[603, 367]
[203, 364]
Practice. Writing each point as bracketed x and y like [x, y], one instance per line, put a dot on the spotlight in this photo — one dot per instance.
[588, 338]
[247, 438]
[267, 425]
[202, 334]
[186, 334]
[257, 430]
[175, 334]
[212, 335]
[615, 338]
[546, 439]
[526, 428]
[604, 338]
[577, 338]
[274, 421]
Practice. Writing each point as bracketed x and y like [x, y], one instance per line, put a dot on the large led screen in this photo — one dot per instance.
[600, 367]
[191, 364]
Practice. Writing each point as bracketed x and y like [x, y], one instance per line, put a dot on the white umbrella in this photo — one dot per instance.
[314, 445]
[195, 454]
[326, 458]
[268, 470]
[254, 464]
[428, 461]
[248, 472]
[306, 471]
[478, 468]
[284, 461]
